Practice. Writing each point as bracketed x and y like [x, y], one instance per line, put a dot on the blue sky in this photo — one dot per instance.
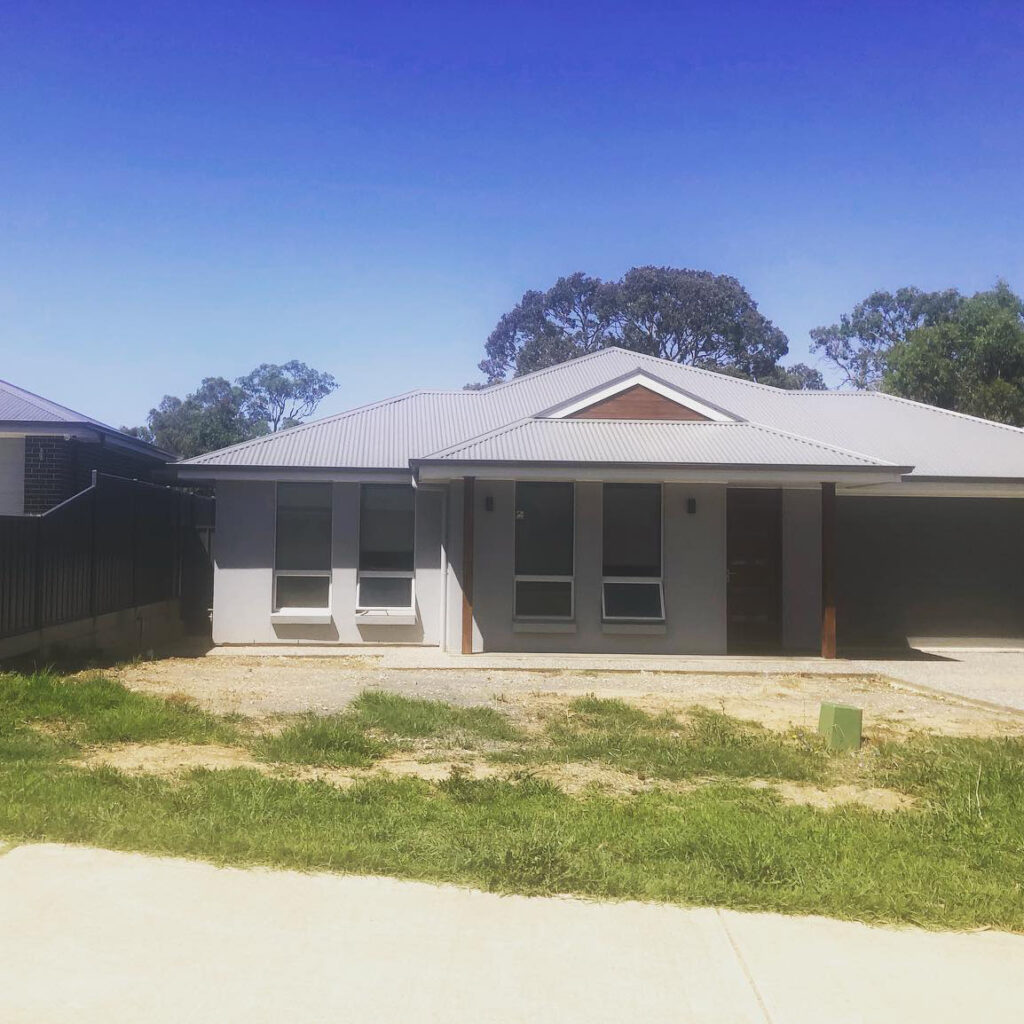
[189, 189]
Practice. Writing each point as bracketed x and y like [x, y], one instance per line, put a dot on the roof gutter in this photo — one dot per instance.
[188, 472]
[83, 431]
[914, 486]
[721, 473]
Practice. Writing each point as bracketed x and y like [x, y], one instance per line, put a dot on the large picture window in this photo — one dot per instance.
[387, 530]
[632, 586]
[544, 551]
[302, 554]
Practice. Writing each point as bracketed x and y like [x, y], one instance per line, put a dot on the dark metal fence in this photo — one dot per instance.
[118, 544]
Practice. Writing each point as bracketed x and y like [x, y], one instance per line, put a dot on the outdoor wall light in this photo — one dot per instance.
[489, 503]
[691, 506]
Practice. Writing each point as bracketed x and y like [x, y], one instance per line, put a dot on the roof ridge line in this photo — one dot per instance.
[705, 370]
[821, 444]
[660, 360]
[505, 428]
[498, 385]
[299, 427]
[34, 399]
[948, 412]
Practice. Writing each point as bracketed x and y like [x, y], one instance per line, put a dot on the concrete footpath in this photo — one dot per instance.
[96, 936]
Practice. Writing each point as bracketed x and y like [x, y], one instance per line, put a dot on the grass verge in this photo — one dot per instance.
[955, 861]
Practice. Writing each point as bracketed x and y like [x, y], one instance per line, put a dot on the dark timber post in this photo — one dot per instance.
[828, 570]
[93, 499]
[468, 489]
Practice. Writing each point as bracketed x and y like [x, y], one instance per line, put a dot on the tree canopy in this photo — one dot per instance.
[688, 316]
[219, 413]
[282, 396]
[859, 344]
[971, 362]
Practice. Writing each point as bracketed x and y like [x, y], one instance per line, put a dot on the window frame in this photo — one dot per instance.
[284, 611]
[386, 574]
[518, 578]
[392, 574]
[319, 574]
[650, 581]
[528, 578]
[637, 580]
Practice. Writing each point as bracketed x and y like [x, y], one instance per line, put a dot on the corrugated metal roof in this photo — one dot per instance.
[388, 434]
[651, 442]
[19, 407]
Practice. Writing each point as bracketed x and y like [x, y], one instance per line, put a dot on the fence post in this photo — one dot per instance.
[135, 548]
[93, 501]
[37, 576]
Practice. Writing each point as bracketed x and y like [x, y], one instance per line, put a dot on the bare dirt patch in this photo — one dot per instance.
[266, 686]
[804, 795]
[168, 759]
[783, 702]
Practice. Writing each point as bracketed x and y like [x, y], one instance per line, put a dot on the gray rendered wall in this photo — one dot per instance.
[12, 476]
[243, 574]
[694, 559]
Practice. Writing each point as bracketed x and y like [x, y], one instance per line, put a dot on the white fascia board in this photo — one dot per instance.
[643, 380]
[755, 476]
[66, 431]
[911, 488]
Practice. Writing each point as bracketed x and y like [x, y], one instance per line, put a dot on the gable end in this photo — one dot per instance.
[637, 403]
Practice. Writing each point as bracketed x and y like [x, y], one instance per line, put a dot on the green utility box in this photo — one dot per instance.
[840, 725]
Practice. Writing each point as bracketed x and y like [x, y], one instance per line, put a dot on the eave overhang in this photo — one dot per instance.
[186, 473]
[751, 475]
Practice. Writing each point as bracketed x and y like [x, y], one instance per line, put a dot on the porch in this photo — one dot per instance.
[642, 568]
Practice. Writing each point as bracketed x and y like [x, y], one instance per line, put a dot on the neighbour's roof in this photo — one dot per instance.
[22, 410]
[871, 426]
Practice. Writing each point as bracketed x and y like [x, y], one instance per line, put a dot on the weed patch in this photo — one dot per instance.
[334, 740]
[707, 742]
[407, 717]
[97, 710]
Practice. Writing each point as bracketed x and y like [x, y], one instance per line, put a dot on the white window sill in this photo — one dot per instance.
[301, 617]
[633, 628]
[542, 626]
[385, 617]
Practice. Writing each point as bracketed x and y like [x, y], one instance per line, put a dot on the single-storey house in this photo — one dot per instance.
[49, 452]
[621, 503]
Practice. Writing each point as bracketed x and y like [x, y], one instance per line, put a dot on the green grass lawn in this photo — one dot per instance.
[955, 860]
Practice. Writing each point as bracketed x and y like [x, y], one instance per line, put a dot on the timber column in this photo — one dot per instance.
[828, 570]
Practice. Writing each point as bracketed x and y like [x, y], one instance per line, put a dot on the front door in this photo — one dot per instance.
[754, 559]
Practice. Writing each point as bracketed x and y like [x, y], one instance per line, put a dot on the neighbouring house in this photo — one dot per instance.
[48, 452]
[622, 503]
